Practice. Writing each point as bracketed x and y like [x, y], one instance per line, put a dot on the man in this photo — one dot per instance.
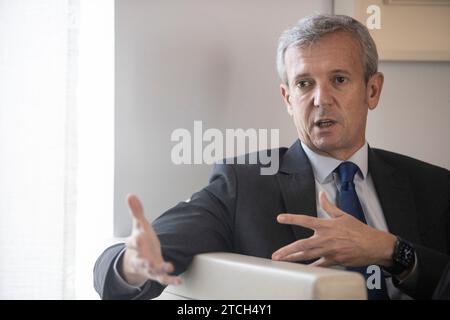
[346, 203]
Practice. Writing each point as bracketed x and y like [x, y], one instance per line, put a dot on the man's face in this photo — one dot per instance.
[327, 95]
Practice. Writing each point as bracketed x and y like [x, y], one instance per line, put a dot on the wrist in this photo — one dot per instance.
[403, 258]
[387, 250]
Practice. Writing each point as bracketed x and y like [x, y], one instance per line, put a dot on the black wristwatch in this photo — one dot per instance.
[403, 257]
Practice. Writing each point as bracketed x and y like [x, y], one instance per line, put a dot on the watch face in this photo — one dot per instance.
[406, 254]
[403, 257]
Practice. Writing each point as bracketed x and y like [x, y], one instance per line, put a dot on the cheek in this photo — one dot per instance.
[301, 112]
[354, 122]
[354, 111]
[300, 118]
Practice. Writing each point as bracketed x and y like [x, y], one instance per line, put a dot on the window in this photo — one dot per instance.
[56, 145]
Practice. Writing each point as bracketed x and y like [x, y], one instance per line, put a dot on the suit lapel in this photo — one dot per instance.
[297, 184]
[394, 193]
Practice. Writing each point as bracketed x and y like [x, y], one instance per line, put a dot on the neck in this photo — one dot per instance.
[339, 154]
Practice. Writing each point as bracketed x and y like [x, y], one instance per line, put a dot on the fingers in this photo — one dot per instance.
[160, 272]
[136, 210]
[147, 259]
[304, 255]
[322, 262]
[329, 208]
[306, 249]
[312, 222]
[166, 279]
[296, 247]
[300, 220]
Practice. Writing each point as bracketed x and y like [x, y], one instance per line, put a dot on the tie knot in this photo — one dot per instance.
[346, 172]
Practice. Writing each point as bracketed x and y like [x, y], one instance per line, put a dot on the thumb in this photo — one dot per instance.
[329, 208]
[136, 209]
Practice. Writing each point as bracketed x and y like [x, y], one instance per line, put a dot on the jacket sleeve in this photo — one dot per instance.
[442, 291]
[203, 224]
[431, 264]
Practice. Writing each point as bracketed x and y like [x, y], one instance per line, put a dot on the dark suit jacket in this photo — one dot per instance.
[237, 213]
[442, 291]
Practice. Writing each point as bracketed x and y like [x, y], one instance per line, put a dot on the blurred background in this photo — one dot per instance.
[91, 90]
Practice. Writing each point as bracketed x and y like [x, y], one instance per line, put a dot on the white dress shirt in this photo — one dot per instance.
[328, 181]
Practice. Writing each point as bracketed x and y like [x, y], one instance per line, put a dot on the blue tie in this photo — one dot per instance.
[347, 201]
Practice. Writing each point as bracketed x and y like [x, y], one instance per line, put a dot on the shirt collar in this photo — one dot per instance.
[323, 166]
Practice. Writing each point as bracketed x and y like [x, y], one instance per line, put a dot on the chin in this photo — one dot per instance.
[326, 144]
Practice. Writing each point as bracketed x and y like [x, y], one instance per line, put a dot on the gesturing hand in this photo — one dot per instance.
[341, 240]
[143, 259]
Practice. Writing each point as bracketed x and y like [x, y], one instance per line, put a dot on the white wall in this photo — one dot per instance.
[413, 116]
[179, 61]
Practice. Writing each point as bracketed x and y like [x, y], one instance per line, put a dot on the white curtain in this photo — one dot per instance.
[44, 208]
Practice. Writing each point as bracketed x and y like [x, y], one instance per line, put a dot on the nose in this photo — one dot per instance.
[323, 96]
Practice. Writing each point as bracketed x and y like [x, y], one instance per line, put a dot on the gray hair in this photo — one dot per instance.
[312, 28]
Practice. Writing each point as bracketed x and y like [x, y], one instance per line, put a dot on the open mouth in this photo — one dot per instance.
[325, 123]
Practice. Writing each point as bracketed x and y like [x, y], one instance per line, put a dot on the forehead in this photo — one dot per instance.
[335, 51]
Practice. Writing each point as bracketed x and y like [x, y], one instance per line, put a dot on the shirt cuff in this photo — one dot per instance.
[118, 282]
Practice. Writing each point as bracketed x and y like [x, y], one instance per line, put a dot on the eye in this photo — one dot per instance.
[340, 79]
[304, 84]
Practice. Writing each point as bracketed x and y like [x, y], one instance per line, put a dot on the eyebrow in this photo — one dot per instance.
[340, 71]
[307, 74]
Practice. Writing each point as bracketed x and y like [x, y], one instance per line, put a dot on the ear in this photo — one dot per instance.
[374, 86]
[284, 90]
